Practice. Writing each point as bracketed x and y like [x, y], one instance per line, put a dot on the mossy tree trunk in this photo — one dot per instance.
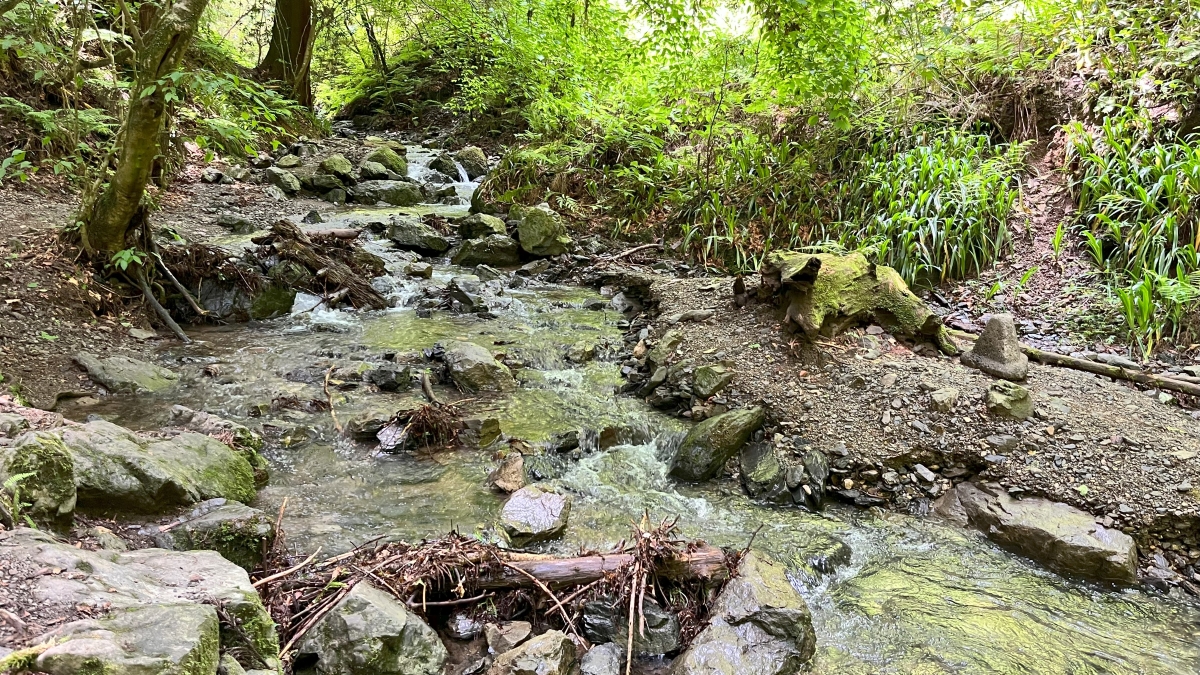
[108, 221]
[290, 52]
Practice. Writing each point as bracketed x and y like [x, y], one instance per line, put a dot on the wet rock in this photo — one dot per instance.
[389, 159]
[810, 489]
[943, 400]
[662, 351]
[211, 425]
[540, 230]
[156, 639]
[122, 374]
[409, 232]
[367, 424]
[394, 192]
[534, 268]
[607, 621]
[997, 352]
[1062, 537]
[473, 161]
[465, 289]
[283, 179]
[444, 164]
[371, 633]
[474, 369]
[335, 196]
[419, 270]
[289, 161]
[487, 273]
[235, 223]
[389, 378]
[1006, 399]
[551, 653]
[709, 380]
[762, 473]
[534, 514]
[605, 659]
[239, 533]
[709, 444]
[759, 625]
[373, 171]
[497, 250]
[339, 166]
[509, 476]
[463, 626]
[504, 637]
[108, 579]
[479, 225]
[322, 182]
[49, 493]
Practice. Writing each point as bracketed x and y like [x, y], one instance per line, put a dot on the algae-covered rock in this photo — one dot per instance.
[444, 164]
[827, 293]
[1060, 536]
[759, 624]
[662, 351]
[473, 161]
[410, 232]
[474, 369]
[371, 633]
[394, 192]
[540, 230]
[711, 443]
[479, 225]
[160, 639]
[338, 165]
[283, 179]
[389, 159]
[534, 514]
[239, 533]
[1010, 400]
[762, 473]
[126, 375]
[372, 171]
[710, 380]
[497, 250]
[49, 469]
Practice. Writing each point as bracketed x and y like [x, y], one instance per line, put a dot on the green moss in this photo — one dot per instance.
[203, 659]
[50, 491]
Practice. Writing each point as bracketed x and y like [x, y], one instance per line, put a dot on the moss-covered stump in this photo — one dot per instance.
[826, 293]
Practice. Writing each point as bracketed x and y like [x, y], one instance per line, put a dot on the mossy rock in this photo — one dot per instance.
[50, 491]
[389, 158]
[272, 301]
[339, 166]
[825, 294]
[239, 533]
[710, 444]
[540, 230]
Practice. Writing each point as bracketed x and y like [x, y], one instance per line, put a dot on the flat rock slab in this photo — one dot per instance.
[126, 375]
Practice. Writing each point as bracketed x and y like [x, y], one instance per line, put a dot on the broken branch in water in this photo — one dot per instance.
[329, 399]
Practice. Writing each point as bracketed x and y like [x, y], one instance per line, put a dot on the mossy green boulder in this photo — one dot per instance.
[122, 374]
[239, 533]
[712, 442]
[540, 230]
[338, 165]
[48, 487]
[389, 158]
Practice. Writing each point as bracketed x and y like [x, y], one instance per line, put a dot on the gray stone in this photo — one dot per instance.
[473, 161]
[509, 476]
[605, 659]
[943, 400]
[239, 533]
[50, 493]
[606, 620]
[107, 539]
[1006, 399]
[997, 352]
[211, 425]
[389, 159]
[759, 624]
[389, 377]
[479, 225]
[474, 369]
[497, 250]
[710, 380]
[371, 633]
[275, 193]
[289, 161]
[533, 268]
[369, 170]
[236, 223]
[283, 179]
[551, 653]
[709, 444]
[335, 196]
[444, 164]
[662, 351]
[488, 273]
[466, 289]
[410, 232]
[419, 270]
[394, 192]
[762, 474]
[540, 230]
[1062, 537]
[503, 637]
[12, 425]
[122, 374]
[1117, 360]
[534, 514]
[181, 639]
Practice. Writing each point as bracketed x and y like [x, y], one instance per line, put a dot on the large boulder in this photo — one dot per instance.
[474, 369]
[394, 192]
[541, 230]
[126, 375]
[389, 159]
[497, 250]
[997, 352]
[410, 232]
[160, 639]
[338, 165]
[98, 581]
[478, 225]
[534, 514]
[759, 624]
[551, 653]
[48, 488]
[473, 161]
[115, 469]
[373, 171]
[444, 164]
[239, 533]
[606, 620]
[826, 293]
[371, 633]
[1059, 536]
[283, 179]
[711, 443]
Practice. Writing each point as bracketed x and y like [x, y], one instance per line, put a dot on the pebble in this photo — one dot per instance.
[925, 474]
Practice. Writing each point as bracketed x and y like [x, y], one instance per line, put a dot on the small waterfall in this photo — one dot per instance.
[462, 173]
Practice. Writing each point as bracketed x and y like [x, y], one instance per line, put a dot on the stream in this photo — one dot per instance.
[889, 593]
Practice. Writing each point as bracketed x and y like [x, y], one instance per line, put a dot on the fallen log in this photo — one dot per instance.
[705, 563]
[339, 233]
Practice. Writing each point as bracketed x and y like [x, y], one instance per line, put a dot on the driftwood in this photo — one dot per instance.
[706, 562]
[293, 244]
[339, 233]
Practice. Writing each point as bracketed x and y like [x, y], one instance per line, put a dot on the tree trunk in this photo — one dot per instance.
[290, 51]
[107, 223]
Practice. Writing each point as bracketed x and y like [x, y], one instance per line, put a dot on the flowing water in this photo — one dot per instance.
[889, 593]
